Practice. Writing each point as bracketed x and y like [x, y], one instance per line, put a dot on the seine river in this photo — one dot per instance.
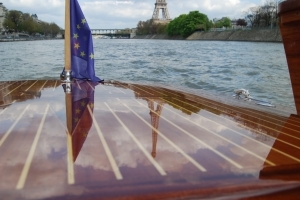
[214, 66]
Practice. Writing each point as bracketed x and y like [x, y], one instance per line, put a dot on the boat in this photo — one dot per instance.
[116, 140]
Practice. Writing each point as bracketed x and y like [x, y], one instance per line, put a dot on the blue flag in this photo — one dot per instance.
[82, 50]
[82, 97]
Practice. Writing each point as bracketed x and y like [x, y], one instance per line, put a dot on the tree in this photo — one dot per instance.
[252, 15]
[30, 26]
[13, 19]
[241, 22]
[150, 27]
[185, 25]
[264, 15]
[174, 27]
[18, 21]
[224, 22]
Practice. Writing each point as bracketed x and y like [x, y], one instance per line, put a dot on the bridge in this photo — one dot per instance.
[125, 33]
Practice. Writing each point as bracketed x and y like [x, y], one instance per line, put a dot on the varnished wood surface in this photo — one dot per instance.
[289, 12]
[128, 141]
[288, 6]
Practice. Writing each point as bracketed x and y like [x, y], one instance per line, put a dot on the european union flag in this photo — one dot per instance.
[82, 50]
[82, 97]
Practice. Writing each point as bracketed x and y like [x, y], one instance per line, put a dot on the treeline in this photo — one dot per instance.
[264, 15]
[183, 25]
[150, 27]
[23, 22]
[224, 22]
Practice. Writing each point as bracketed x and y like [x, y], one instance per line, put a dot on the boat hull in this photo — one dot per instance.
[289, 12]
[130, 141]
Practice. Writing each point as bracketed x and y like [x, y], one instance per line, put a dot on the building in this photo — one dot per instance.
[3, 11]
[234, 24]
[36, 19]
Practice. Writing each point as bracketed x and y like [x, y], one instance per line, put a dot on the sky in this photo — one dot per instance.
[110, 14]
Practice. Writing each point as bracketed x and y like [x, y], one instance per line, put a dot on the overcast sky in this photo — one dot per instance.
[126, 13]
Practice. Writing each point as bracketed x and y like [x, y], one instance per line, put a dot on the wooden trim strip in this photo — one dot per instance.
[9, 85]
[296, 159]
[26, 167]
[197, 139]
[71, 176]
[91, 86]
[54, 88]
[120, 90]
[103, 87]
[6, 107]
[194, 162]
[15, 88]
[212, 102]
[109, 155]
[229, 141]
[150, 158]
[2, 111]
[31, 85]
[140, 89]
[246, 113]
[226, 118]
[12, 127]
[248, 120]
[43, 86]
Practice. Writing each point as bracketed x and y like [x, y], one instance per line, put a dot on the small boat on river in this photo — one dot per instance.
[116, 140]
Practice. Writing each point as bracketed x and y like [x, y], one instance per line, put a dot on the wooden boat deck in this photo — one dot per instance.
[128, 141]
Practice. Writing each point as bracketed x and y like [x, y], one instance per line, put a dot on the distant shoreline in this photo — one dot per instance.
[25, 39]
[260, 35]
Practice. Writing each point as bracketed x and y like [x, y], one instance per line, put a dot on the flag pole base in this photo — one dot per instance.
[67, 77]
[67, 81]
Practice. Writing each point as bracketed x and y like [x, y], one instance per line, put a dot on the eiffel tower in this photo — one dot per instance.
[161, 5]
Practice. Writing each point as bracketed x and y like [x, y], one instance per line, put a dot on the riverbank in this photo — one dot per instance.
[240, 35]
[159, 37]
[26, 39]
[232, 35]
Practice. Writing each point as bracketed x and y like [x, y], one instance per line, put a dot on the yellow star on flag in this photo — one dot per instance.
[78, 111]
[76, 46]
[78, 27]
[82, 54]
[82, 103]
[92, 56]
[76, 120]
[75, 36]
[83, 21]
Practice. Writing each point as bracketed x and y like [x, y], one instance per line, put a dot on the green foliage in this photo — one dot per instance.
[149, 27]
[224, 22]
[185, 25]
[23, 22]
[13, 19]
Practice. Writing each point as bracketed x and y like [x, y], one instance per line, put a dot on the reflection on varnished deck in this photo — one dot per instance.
[139, 142]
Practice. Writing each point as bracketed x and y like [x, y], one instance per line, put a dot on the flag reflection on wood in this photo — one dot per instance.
[82, 51]
[82, 97]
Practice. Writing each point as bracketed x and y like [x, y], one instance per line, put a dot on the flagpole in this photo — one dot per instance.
[70, 159]
[68, 92]
[67, 42]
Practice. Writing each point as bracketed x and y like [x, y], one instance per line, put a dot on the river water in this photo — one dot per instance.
[213, 66]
